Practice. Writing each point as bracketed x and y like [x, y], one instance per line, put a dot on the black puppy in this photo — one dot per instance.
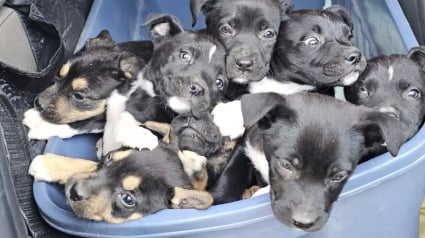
[313, 52]
[306, 146]
[248, 30]
[76, 102]
[394, 85]
[186, 74]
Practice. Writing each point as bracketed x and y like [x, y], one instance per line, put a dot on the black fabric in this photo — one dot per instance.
[415, 14]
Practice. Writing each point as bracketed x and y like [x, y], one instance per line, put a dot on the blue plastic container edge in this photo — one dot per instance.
[402, 24]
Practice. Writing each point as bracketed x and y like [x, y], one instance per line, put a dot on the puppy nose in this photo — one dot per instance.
[73, 194]
[353, 57]
[196, 89]
[302, 225]
[244, 64]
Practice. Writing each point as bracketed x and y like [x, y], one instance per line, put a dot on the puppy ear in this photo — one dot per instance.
[342, 13]
[195, 8]
[286, 7]
[162, 26]
[417, 54]
[264, 109]
[103, 39]
[381, 128]
[188, 198]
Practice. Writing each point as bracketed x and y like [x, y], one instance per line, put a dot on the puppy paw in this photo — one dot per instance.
[229, 119]
[261, 191]
[250, 191]
[194, 166]
[41, 129]
[38, 169]
[137, 138]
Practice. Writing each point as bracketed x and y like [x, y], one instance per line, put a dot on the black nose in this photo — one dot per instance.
[196, 89]
[73, 194]
[302, 225]
[353, 57]
[244, 64]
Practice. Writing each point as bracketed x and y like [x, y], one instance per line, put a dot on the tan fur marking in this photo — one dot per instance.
[79, 83]
[60, 168]
[250, 191]
[187, 198]
[68, 113]
[63, 72]
[119, 155]
[163, 128]
[128, 75]
[131, 182]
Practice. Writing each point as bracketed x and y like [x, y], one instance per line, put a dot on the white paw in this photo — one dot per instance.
[38, 171]
[229, 119]
[137, 138]
[192, 162]
[41, 129]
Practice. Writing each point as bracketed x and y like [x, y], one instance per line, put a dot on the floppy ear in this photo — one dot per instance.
[286, 8]
[195, 8]
[188, 198]
[342, 13]
[264, 109]
[103, 39]
[380, 128]
[417, 54]
[163, 26]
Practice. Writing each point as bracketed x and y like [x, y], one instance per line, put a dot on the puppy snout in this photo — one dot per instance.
[196, 89]
[74, 195]
[304, 217]
[244, 64]
[353, 57]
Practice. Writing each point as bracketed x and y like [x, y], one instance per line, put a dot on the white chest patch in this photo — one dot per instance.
[240, 80]
[211, 53]
[228, 118]
[144, 84]
[258, 159]
[271, 85]
[390, 73]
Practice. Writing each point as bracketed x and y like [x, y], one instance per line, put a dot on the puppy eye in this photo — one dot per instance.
[185, 55]
[127, 200]
[78, 96]
[311, 41]
[285, 164]
[339, 177]
[269, 34]
[226, 29]
[413, 93]
[219, 82]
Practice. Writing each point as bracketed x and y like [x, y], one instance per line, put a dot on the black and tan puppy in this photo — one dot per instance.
[306, 146]
[185, 75]
[76, 102]
[127, 184]
[313, 52]
[248, 30]
[395, 85]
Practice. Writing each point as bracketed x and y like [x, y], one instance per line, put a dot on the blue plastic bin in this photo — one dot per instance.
[381, 199]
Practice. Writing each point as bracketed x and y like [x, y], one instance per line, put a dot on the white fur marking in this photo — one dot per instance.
[178, 105]
[38, 171]
[162, 29]
[271, 85]
[390, 73]
[41, 129]
[144, 84]
[228, 118]
[258, 159]
[211, 52]
[350, 78]
[240, 80]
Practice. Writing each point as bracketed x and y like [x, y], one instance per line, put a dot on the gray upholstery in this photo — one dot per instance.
[14, 45]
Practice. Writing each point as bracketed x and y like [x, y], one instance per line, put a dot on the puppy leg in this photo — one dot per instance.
[250, 191]
[195, 167]
[187, 198]
[229, 119]
[57, 169]
[41, 129]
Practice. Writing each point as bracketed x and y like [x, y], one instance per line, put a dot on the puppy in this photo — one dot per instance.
[313, 52]
[248, 30]
[126, 184]
[394, 85]
[306, 146]
[76, 102]
[186, 74]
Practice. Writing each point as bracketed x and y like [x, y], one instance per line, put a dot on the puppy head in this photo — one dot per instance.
[187, 68]
[314, 48]
[248, 31]
[130, 184]
[395, 85]
[85, 81]
[312, 144]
